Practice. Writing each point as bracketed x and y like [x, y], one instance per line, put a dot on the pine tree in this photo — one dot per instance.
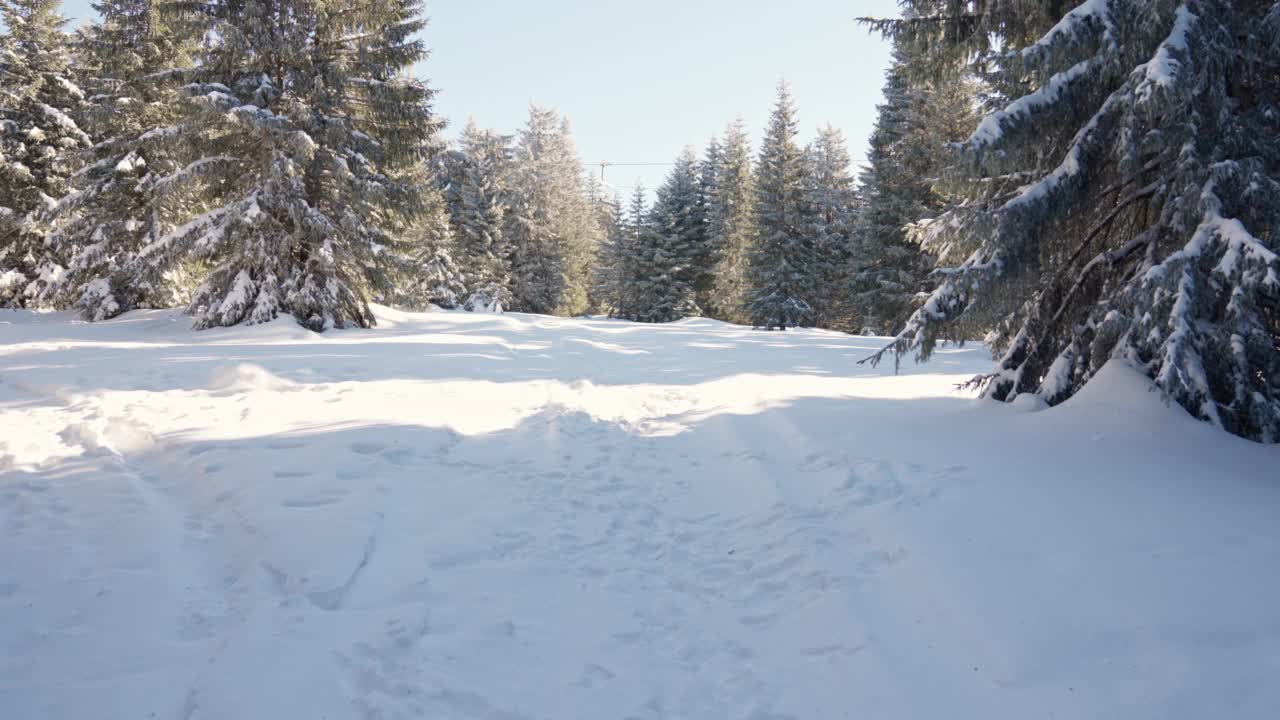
[450, 169]
[670, 243]
[427, 273]
[114, 210]
[831, 206]
[919, 117]
[40, 143]
[889, 269]
[611, 268]
[632, 261]
[1123, 205]
[307, 134]
[731, 228]
[550, 225]
[606, 208]
[781, 263]
[680, 213]
[484, 250]
[706, 249]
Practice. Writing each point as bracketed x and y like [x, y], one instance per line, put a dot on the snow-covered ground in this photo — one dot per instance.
[508, 517]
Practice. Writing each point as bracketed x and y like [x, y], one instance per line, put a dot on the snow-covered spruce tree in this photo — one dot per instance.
[40, 143]
[425, 270]
[680, 215]
[832, 204]
[921, 114]
[632, 261]
[483, 249]
[307, 134]
[606, 205]
[550, 226]
[1126, 206]
[450, 167]
[706, 252]
[782, 261]
[668, 244]
[8, 216]
[131, 65]
[888, 269]
[731, 228]
[610, 270]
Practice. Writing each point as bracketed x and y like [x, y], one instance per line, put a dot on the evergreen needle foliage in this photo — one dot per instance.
[40, 142]
[305, 135]
[1123, 202]
[1074, 182]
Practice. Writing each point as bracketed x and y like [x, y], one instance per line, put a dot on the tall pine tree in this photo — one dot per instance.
[307, 135]
[782, 261]
[135, 58]
[706, 251]
[1123, 204]
[606, 208]
[670, 247]
[484, 249]
[920, 116]
[611, 267]
[40, 144]
[632, 261]
[731, 227]
[550, 225]
[831, 206]
[427, 272]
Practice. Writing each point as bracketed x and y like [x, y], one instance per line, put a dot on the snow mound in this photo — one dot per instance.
[120, 436]
[247, 377]
[1029, 403]
[1120, 386]
[1120, 395]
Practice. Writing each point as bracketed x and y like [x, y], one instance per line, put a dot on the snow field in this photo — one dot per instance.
[502, 517]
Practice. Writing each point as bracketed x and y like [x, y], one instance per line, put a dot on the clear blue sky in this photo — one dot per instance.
[640, 79]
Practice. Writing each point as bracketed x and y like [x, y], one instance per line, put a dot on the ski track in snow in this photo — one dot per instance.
[517, 517]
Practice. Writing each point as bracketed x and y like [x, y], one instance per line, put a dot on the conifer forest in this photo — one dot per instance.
[317, 402]
[1070, 184]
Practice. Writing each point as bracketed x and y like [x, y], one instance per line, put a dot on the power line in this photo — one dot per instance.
[606, 164]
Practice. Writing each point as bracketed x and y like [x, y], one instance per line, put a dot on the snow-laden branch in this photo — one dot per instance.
[1162, 70]
[65, 122]
[1073, 161]
[193, 169]
[210, 223]
[946, 302]
[1072, 26]
[991, 130]
[160, 133]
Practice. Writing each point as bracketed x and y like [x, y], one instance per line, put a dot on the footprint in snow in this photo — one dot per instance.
[763, 620]
[401, 456]
[833, 652]
[873, 483]
[593, 675]
[333, 598]
[367, 448]
[311, 502]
